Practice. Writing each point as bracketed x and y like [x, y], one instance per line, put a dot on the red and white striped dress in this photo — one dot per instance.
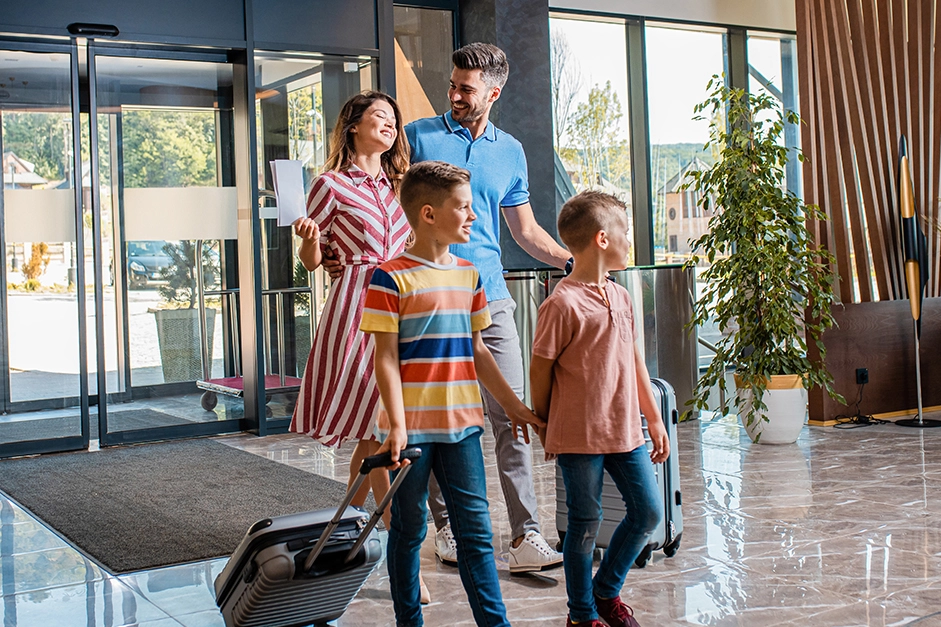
[361, 221]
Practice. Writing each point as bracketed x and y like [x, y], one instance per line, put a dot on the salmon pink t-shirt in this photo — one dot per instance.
[594, 408]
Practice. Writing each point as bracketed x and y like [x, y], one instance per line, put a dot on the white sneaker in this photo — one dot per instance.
[533, 554]
[445, 546]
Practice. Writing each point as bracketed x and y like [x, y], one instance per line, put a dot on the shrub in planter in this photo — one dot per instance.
[768, 286]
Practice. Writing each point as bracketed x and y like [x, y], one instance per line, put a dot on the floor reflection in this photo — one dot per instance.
[839, 529]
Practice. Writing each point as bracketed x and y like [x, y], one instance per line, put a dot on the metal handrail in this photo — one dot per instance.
[714, 349]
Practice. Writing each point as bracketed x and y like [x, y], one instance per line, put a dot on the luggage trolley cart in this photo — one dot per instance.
[234, 386]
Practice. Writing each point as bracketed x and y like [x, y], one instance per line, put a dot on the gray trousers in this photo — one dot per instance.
[514, 456]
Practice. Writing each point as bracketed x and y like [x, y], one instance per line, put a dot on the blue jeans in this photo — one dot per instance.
[459, 469]
[583, 476]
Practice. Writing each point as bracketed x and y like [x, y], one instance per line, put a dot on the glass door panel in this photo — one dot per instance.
[674, 88]
[40, 345]
[168, 214]
[298, 98]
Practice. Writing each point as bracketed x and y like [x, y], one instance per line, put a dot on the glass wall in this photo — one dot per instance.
[680, 62]
[298, 100]
[772, 70]
[591, 123]
[40, 364]
[424, 41]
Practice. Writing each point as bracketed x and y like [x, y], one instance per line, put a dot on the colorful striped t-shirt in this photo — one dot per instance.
[434, 309]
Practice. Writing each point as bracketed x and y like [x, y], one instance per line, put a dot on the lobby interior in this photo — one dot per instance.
[838, 529]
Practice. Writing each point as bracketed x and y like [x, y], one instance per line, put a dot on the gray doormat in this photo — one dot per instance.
[139, 507]
[61, 426]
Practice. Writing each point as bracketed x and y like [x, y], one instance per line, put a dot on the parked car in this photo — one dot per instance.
[145, 260]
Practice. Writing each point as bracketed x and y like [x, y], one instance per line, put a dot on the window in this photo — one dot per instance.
[424, 41]
[772, 69]
[680, 62]
[590, 103]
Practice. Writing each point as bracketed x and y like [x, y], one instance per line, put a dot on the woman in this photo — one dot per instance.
[352, 211]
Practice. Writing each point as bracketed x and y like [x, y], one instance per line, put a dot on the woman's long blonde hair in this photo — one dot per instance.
[394, 161]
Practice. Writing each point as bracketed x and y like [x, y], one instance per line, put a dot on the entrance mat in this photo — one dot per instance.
[139, 507]
[61, 426]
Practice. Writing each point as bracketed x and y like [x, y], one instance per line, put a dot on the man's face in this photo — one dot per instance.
[470, 96]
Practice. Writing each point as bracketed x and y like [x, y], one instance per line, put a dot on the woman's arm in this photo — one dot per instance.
[310, 254]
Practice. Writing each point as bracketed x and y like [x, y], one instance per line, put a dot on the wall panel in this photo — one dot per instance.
[172, 21]
[867, 71]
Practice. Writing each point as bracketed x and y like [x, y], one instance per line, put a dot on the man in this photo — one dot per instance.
[465, 137]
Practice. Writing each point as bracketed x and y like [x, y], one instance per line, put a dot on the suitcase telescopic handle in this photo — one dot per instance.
[370, 463]
[385, 459]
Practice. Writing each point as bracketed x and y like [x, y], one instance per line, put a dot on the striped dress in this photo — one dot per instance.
[362, 223]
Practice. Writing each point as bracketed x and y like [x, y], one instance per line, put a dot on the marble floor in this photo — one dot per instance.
[840, 529]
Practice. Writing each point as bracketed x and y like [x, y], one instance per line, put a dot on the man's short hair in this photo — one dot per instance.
[429, 183]
[586, 213]
[485, 57]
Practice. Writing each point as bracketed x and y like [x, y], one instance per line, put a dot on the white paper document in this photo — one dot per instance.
[288, 178]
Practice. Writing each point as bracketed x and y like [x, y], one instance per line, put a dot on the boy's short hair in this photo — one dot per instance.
[485, 57]
[586, 213]
[429, 183]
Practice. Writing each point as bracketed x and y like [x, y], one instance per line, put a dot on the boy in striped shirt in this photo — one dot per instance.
[426, 309]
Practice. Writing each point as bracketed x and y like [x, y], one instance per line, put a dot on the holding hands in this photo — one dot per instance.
[520, 416]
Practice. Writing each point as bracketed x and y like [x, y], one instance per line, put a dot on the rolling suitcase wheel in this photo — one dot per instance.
[208, 400]
[644, 557]
[671, 549]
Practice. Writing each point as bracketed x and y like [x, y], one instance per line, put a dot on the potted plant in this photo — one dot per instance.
[768, 286]
[178, 333]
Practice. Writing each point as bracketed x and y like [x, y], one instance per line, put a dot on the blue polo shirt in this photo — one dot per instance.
[498, 179]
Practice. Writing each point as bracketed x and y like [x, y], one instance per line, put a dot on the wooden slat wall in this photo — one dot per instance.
[867, 76]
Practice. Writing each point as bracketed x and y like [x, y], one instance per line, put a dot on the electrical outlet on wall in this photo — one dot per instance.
[862, 376]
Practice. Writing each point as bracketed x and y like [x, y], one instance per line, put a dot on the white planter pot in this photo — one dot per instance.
[786, 399]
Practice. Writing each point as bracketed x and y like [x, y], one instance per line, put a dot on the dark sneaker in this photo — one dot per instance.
[615, 612]
[587, 623]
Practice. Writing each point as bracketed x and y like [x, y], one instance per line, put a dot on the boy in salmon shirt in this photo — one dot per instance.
[594, 413]
[425, 309]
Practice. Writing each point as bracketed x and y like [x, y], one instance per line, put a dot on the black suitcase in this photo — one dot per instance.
[304, 569]
[669, 532]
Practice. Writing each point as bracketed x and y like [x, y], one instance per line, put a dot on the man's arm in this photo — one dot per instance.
[489, 374]
[389, 380]
[648, 407]
[533, 238]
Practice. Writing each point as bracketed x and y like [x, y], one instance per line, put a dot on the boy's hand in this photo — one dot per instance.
[521, 416]
[307, 229]
[660, 441]
[541, 432]
[395, 442]
[331, 264]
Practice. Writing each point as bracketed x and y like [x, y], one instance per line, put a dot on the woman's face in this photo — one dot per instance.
[376, 130]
